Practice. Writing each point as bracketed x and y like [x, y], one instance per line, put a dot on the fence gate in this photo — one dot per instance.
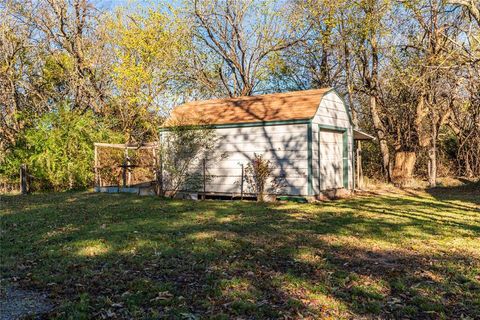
[126, 167]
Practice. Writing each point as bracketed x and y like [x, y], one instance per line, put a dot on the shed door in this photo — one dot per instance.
[331, 159]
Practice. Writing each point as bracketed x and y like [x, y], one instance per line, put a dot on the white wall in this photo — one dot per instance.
[284, 145]
[332, 113]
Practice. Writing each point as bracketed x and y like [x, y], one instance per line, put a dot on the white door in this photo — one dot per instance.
[331, 159]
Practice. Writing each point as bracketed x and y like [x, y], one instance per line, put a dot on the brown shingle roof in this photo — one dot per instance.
[269, 107]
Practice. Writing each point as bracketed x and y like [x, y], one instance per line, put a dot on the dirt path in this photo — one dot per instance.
[17, 303]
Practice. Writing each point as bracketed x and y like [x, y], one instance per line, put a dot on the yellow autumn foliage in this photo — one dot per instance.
[147, 44]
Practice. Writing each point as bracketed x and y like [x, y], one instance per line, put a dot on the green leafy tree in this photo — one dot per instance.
[58, 150]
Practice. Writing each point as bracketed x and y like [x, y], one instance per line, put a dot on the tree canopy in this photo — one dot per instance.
[409, 70]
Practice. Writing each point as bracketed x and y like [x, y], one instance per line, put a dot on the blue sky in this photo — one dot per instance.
[112, 4]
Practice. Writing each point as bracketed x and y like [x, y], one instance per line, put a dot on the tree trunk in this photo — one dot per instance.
[377, 122]
[432, 160]
[432, 167]
[23, 179]
[349, 83]
[350, 104]
[404, 165]
[382, 139]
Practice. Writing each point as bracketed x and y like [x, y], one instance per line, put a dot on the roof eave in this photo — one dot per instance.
[245, 124]
[360, 135]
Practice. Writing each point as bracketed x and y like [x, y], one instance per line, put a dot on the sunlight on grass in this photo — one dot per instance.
[72, 199]
[410, 255]
[229, 219]
[69, 228]
[92, 248]
[308, 255]
[135, 245]
[315, 296]
[239, 288]
[203, 235]
[370, 287]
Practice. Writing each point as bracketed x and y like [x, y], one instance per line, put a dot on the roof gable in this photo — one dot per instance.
[297, 105]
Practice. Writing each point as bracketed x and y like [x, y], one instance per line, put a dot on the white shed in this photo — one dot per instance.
[307, 135]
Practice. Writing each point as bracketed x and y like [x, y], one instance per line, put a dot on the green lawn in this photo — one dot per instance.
[414, 255]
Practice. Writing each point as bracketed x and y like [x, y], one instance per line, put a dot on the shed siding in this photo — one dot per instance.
[331, 113]
[284, 145]
[287, 147]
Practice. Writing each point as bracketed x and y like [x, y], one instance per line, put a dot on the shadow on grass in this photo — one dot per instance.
[469, 191]
[125, 256]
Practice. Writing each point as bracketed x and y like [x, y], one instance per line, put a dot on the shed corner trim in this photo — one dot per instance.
[310, 158]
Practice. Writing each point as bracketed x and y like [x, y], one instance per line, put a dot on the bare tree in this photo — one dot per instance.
[22, 93]
[436, 81]
[369, 29]
[241, 35]
[74, 27]
[472, 6]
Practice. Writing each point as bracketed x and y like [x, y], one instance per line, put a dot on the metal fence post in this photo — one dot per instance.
[162, 188]
[204, 179]
[241, 184]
